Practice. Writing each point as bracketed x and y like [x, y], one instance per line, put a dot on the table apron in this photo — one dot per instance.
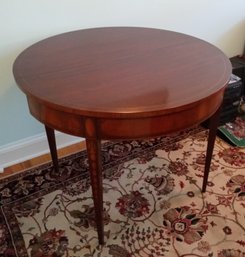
[125, 128]
[158, 125]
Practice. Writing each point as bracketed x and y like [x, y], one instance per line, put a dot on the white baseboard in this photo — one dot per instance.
[32, 147]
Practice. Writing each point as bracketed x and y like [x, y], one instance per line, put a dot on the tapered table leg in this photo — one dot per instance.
[213, 125]
[52, 146]
[94, 158]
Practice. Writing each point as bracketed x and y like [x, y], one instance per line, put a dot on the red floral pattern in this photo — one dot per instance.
[184, 224]
[52, 243]
[233, 156]
[178, 167]
[237, 185]
[133, 205]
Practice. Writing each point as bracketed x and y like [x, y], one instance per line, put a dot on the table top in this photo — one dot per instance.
[121, 71]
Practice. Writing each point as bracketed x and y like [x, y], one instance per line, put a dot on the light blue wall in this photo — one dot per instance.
[23, 22]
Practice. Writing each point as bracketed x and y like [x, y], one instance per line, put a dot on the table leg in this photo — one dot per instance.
[213, 123]
[94, 158]
[52, 146]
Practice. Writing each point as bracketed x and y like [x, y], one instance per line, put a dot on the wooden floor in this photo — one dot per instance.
[41, 159]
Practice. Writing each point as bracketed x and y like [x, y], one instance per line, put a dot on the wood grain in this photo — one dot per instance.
[121, 72]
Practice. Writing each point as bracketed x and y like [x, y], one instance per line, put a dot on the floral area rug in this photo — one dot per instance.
[153, 204]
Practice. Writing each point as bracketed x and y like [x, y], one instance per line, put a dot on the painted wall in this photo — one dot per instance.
[221, 22]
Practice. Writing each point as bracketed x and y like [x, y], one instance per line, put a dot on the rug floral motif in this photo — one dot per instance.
[153, 204]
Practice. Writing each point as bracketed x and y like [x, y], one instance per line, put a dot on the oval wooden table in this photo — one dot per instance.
[122, 83]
